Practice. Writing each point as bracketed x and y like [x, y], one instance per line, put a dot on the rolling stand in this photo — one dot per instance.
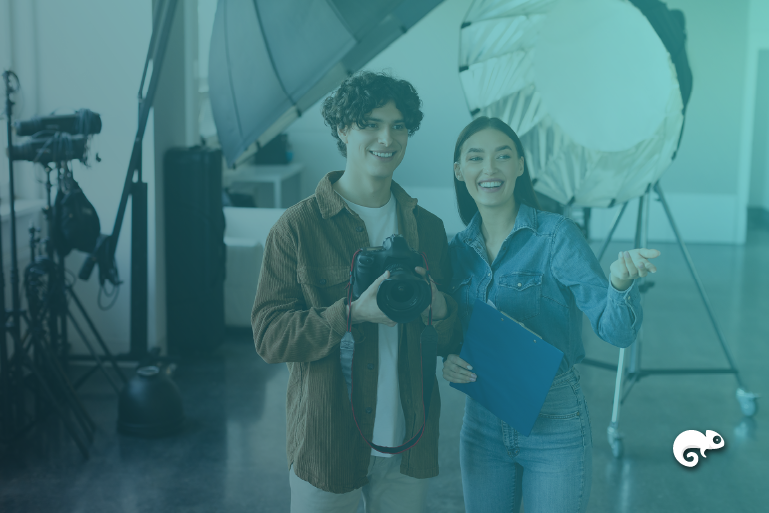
[41, 371]
[630, 375]
[49, 293]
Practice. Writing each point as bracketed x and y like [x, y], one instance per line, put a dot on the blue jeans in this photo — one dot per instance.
[550, 470]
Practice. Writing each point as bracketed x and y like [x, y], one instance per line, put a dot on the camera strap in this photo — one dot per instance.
[429, 350]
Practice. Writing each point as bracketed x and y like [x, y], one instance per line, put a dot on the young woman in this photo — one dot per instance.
[538, 268]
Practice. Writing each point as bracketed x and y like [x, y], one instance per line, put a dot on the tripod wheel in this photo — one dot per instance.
[615, 440]
[617, 448]
[748, 403]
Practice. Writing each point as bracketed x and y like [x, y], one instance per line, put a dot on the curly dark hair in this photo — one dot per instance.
[364, 92]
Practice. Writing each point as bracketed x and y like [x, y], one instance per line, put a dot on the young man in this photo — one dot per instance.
[300, 315]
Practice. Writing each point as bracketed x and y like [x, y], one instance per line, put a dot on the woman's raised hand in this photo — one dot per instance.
[456, 370]
[631, 265]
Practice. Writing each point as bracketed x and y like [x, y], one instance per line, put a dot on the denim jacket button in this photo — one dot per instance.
[519, 284]
[370, 366]
[358, 228]
[322, 281]
[368, 410]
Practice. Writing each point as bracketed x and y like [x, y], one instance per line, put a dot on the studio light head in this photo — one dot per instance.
[58, 147]
[82, 122]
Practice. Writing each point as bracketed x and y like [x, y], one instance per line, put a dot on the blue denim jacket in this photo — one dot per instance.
[545, 275]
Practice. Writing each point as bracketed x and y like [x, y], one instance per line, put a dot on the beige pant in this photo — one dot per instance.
[387, 491]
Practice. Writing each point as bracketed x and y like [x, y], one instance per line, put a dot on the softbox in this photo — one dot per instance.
[595, 89]
[271, 60]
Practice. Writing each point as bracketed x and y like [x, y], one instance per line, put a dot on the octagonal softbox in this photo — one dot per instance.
[595, 89]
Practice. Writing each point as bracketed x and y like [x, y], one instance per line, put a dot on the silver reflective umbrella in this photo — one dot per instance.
[271, 60]
[596, 89]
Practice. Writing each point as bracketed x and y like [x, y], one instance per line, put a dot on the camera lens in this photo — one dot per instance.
[402, 292]
[404, 296]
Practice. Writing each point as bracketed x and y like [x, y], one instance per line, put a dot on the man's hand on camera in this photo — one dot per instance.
[365, 308]
[440, 310]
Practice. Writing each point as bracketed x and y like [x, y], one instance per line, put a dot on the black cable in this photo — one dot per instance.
[115, 290]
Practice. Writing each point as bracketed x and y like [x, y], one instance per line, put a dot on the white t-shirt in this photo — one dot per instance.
[389, 423]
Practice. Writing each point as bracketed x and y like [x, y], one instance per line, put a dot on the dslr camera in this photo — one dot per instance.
[405, 294]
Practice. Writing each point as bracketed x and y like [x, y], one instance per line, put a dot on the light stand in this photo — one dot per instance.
[50, 380]
[12, 369]
[633, 373]
[56, 291]
[8, 425]
[104, 253]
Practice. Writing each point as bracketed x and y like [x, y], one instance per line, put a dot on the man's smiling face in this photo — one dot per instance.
[377, 147]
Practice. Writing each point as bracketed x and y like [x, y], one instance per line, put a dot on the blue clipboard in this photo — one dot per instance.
[515, 367]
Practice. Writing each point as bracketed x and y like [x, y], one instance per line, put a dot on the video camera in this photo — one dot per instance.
[56, 138]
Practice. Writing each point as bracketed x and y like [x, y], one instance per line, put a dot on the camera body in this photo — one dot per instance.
[405, 294]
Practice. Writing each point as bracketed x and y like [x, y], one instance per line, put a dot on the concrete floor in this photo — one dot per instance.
[231, 455]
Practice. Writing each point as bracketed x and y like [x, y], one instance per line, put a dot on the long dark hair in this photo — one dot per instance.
[524, 190]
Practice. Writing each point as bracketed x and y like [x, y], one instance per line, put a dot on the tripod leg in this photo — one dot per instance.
[61, 311]
[698, 282]
[66, 385]
[57, 407]
[614, 436]
[639, 226]
[82, 379]
[745, 398]
[611, 231]
[7, 425]
[60, 381]
[612, 432]
[96, 335]
[99, 361]
[48, 357]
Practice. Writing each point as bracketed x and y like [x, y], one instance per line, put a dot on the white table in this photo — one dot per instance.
[283, 179]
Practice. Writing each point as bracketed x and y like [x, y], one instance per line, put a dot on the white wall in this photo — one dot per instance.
[18, 48]
[759, 166]
[758, 42]
[708, 171]
[18, 51]
[716, 46]
[765, 202]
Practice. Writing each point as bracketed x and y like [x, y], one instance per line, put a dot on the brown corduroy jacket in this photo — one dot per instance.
[299, 317]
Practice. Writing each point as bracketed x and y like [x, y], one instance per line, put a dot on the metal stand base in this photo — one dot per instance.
[630, 375]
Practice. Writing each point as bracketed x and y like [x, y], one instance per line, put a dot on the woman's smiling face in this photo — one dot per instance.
[489, 165]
